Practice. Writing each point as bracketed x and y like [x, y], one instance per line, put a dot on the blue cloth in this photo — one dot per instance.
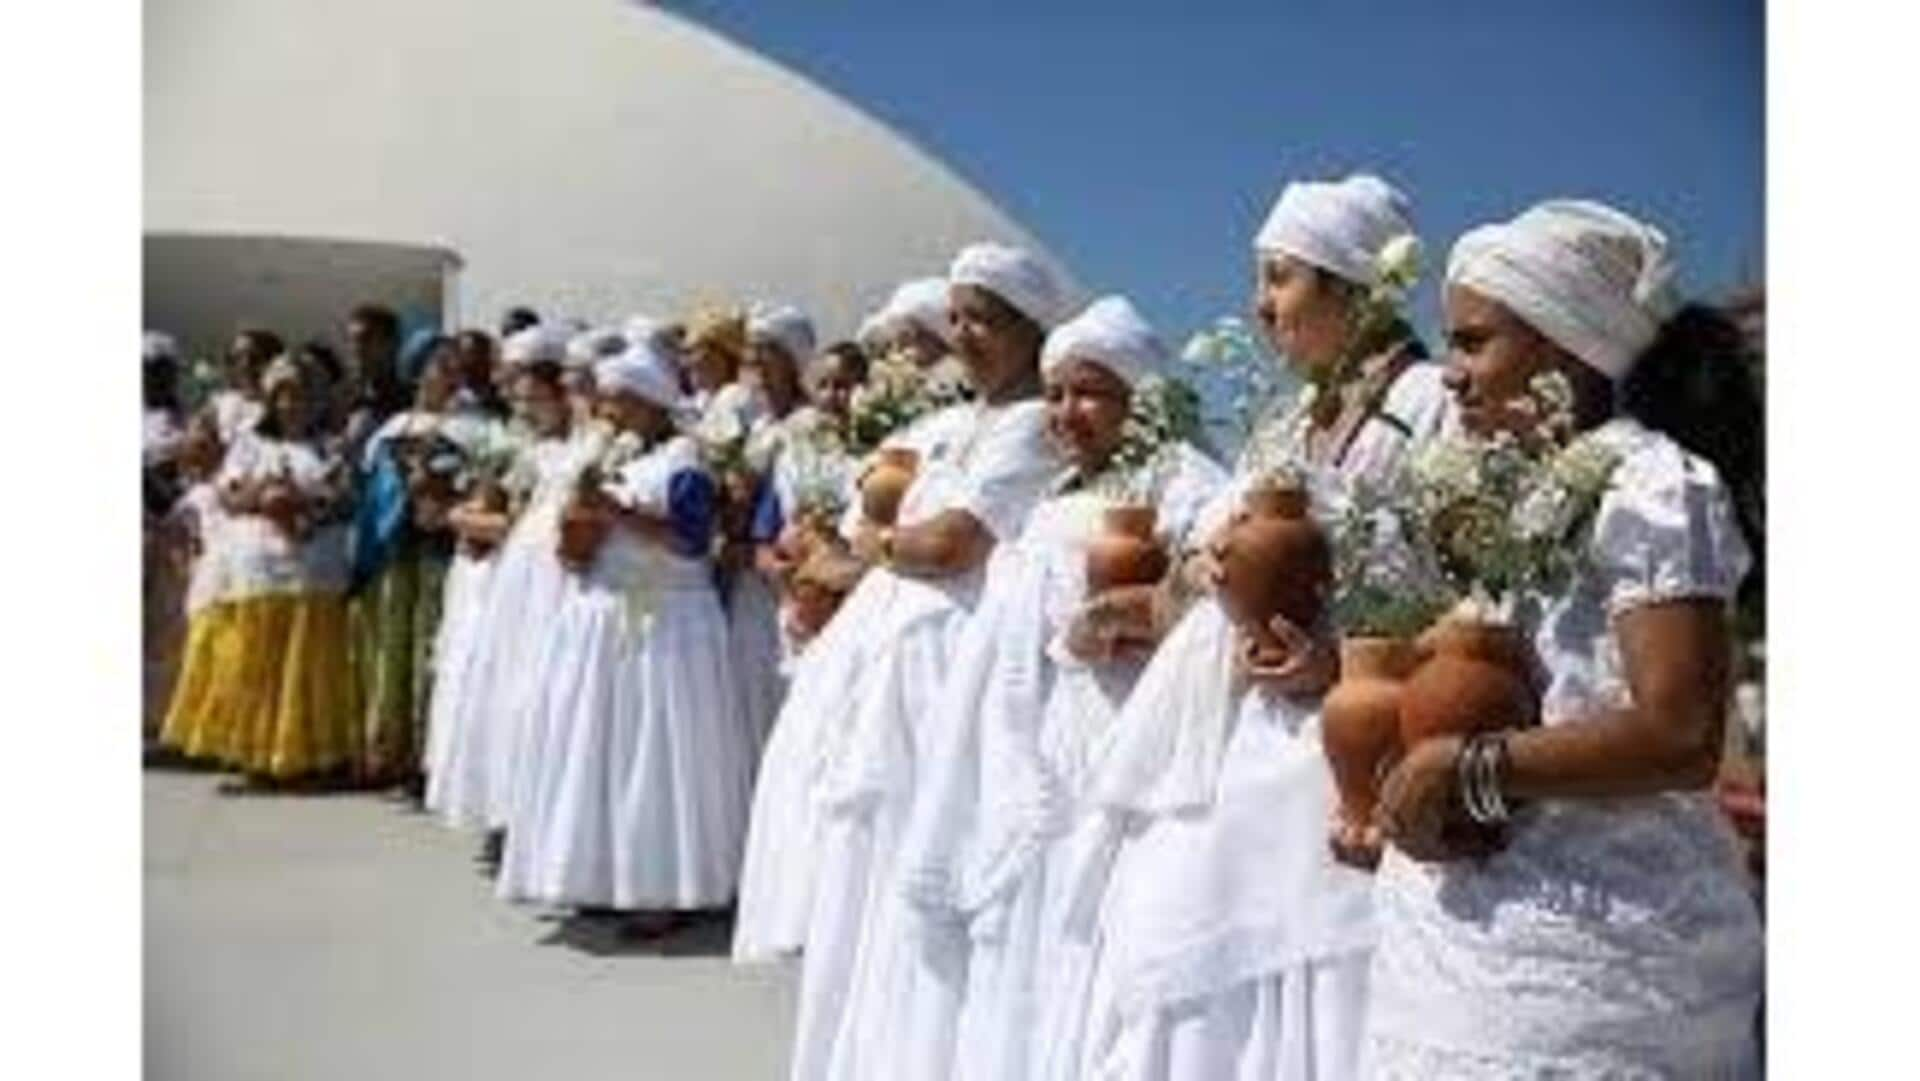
[690, 511]
[380, 516]
[413, 355]
[769, 518]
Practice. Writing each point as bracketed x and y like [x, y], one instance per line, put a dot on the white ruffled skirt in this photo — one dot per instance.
[878, 1001]
[638, 770]
[753, 637]
[783, 836]
[497, 679]
[1231, 944]
[462, 608]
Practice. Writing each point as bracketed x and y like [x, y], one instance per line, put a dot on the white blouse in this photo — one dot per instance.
[260, 559]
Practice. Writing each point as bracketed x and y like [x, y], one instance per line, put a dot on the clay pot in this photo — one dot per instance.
[1273, 561]
[886, 483]
[585, 523]
[809, 607]
[818, 587]
[1473, 678]
[1125, 552]
[1360, 719]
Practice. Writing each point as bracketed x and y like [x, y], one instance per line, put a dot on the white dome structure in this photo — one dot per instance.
[590, 158]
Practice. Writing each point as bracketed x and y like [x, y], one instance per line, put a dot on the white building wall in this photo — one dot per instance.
[589, 157]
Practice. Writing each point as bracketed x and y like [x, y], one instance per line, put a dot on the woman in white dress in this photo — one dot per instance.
[776, 876]
[1028, 709]
[1612, 936]
[1232, 943]
[871, 1005]
[783, 845]
[640, 801]
[475, 788]
[535, 435]
[779, 347]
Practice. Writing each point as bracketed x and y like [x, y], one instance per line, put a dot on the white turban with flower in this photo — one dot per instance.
[1597, 282]
[785, 326]
[1014, 276]
[1341, 226]
[640, 369]
[1112, 334]
[590, 347]
[533, 345]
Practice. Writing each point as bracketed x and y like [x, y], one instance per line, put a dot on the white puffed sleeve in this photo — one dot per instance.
[1007, 472]
[1666, 529]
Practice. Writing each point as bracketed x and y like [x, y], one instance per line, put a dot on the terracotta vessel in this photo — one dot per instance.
[1473, 677]
[1360, 719]
[886, 483]
[1125, 552]
[819, 585]
[802, 537]
[1273, 561]
[584, 524]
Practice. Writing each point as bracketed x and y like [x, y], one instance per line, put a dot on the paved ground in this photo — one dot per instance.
[347, 937]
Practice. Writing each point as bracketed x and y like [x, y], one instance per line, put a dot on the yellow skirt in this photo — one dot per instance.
[277, 697]
[193, 724]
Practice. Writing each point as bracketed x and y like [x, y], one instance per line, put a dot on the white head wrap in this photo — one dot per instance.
[283, 370]
[590, 347]
[1340, 226]
[871, 328]
[645, 328]
[1111, 333]
[1015, 277]
[924, 303]
[1596, 281]
[156, 346]
[536, 343]
[785, 326]
[640, 369]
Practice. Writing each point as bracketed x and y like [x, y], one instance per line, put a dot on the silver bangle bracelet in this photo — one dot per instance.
[1479, 767]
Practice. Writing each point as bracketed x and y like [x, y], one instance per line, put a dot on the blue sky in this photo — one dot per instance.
[1143, 142]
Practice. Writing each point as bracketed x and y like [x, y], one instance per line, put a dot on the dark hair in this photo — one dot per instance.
[379, 318]
[475, 334]
[1700, 384]
[322, 357]
[160, 383]
[518, 318]
[854, 356]
[546, 371]
[264, 342]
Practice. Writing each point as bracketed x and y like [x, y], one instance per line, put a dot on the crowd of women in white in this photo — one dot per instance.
[1012, 831]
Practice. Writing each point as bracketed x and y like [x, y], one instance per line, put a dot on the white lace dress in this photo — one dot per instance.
[1232, 945]
[1026, 722]
[1613, 938]
[870, 1007]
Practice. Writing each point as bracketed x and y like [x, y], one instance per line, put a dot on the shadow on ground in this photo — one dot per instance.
[705, 934]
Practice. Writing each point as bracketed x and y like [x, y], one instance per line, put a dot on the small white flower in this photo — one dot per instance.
[1398, 263]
